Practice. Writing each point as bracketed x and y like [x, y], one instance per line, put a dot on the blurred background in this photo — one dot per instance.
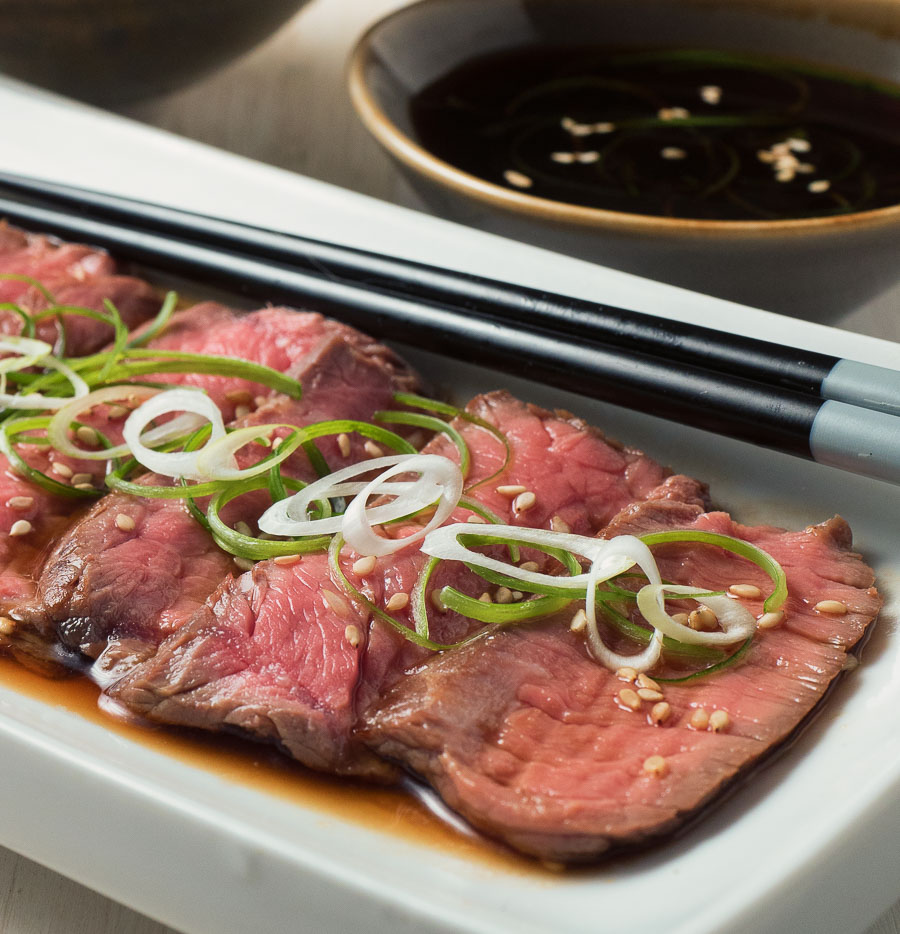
[286, 103]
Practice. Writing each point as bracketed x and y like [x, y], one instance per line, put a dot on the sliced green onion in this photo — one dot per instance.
[334, 564]
[248, 546]
[158, 324]
[13, 432]
[437, 425]
[737, 546]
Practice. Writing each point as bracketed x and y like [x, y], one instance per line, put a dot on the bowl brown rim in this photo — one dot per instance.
[409, 152]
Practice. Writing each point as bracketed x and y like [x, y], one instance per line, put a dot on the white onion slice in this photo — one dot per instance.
[437, 474]
[642, 661]
[58, 429]
[26, 352]
[34, 400]
[611, 557]
[178, 464]
[440, 480]
[216, 460]
[737, 622]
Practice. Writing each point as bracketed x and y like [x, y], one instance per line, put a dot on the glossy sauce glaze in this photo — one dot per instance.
[670, 132]
[405, 812]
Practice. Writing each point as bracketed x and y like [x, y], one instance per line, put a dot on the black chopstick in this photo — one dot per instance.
[806, 371]
[830, 432]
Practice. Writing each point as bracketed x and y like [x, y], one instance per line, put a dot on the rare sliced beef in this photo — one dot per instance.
[134, 569]
[271, 654]
[525, 736]
[74, 275]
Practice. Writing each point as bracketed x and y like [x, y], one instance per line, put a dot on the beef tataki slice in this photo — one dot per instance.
[74, 274]
[270, 653]
[523, 734]
[134, 582]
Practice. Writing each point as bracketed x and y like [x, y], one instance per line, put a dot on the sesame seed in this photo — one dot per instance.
[286, 560]
[503, 595]
[770, 620]
[649, 695]
[710, 94]
[569, 123]
[517, 179]
[351, 634]
[517, 595]
[276, 443]
[83, 486]
[765, 155]
[20, 502]
[343, 443]
[524, 501]
[475, 519]
[564, 158]
[629, 699]
[673, 113]
[660, 712]
[245, 564]
[558, 524]
[750, 591]
[364, 565]
[785, 175]
[656, 766]
[372, 449]
[645, 681]
[81, 478]
[529, 566]
[242, 528]
[719, 720]
[62, 470]
[118, 411]
[681, 618]
[399, 601]
[511, 490]
[850, 663]
[239, 396]
[86, 434]
[241, 411]
[7, 626]
[123, 522]
[805, 167]
[485, 598]
[699, 719]
[21, 527]
[703, 619]
[579, 621]
[604, 126]
[818, 186]
[831, 607]
[588, 157]
[337, 603]
[799, 145]
[626, 674]
[582, 129]
[672, 152]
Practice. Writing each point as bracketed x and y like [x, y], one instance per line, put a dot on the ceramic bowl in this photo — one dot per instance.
[815, 268]
[118, 51]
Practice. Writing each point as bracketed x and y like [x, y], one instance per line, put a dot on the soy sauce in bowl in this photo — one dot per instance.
[682, 133]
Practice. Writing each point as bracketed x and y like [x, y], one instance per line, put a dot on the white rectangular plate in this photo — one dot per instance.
[808, 845]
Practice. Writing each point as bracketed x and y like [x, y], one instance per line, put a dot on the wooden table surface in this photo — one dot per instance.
[284, 103]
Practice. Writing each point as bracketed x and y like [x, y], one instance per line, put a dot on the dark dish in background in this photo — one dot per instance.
[814, 267]
[116, 51]
[690, 133]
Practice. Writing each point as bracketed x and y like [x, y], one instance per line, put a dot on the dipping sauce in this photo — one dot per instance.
[687, 133]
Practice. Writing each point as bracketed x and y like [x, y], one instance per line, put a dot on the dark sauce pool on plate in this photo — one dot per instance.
[669, 132]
